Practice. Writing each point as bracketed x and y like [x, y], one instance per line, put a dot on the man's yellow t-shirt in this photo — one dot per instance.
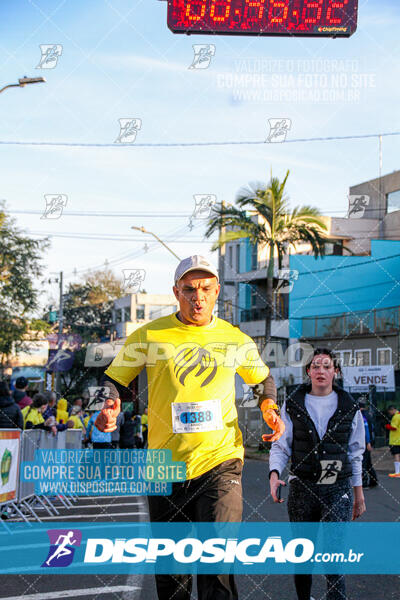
[394, 436]
[191, 386]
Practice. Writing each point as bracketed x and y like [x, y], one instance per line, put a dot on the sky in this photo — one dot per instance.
[119, 60]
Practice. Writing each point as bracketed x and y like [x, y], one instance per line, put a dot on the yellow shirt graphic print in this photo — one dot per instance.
[189, 358]
[191, 387]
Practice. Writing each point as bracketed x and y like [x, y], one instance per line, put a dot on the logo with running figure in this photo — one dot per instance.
[128, 129]
[188, 359]
[278, 130]
[62, 547]
[50, 55]
[203, 54]
[330, 470]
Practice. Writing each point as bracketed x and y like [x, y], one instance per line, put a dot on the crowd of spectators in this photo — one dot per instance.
[22, 410]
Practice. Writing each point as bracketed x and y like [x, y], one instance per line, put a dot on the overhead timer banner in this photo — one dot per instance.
[328, 18]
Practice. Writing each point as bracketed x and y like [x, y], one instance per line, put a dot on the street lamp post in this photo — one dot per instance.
[23, 82]
[143, 230]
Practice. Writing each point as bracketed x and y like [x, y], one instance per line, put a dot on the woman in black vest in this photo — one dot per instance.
[325, 440]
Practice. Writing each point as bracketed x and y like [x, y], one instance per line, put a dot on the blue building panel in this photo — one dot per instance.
[244, 299]
[245, 256]
[344, 284]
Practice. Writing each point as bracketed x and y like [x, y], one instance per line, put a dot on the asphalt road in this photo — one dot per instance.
[383, 504]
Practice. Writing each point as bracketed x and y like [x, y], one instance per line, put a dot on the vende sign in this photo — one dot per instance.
[358, 379]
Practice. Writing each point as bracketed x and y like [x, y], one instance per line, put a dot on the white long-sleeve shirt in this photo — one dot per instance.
[320, 409]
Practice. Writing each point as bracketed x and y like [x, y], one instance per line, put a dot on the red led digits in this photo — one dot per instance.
[195, 9]
[312, 11]
[278, 16]
[329, 18]
[330, 15]
[216, 6]
[258, 5]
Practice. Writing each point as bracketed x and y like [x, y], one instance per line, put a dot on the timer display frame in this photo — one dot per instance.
[311, 18]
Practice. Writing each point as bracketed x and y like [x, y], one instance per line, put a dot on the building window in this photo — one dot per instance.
[253, 297]
[160, 310]
[259, 341]
[228, 310]
[238, 258]
[384, 356]
[278, 306]
[139, 312]
[393, 201]
[127, 315]
[254, 257]
[334, 248]
[345, 358]
[230, 256]
[118, 315]
[363, 358]
[298, 355]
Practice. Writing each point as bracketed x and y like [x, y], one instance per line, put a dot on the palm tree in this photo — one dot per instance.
[279, 228]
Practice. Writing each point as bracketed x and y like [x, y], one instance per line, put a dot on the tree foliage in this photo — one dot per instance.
[88, 305]
[87, 312]
[278, 228]
[20, 268]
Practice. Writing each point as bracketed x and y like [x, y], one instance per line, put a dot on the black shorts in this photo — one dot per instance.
[394, 450]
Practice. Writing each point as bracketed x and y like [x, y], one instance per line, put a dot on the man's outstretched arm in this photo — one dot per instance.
[107, 419]
[269, 408]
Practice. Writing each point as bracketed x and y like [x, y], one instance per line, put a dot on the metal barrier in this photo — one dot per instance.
[30, 443]
[25, 501]
[73, 439]
[251, 424]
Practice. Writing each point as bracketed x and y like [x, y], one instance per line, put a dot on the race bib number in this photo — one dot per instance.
[193, 417]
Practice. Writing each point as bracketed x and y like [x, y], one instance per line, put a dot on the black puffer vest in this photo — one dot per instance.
[308, 450]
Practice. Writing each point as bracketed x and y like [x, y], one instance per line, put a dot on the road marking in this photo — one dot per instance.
[108, 514]
[90, 516]
[72, 593]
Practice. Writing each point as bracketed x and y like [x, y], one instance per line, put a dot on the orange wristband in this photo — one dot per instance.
[267, 404]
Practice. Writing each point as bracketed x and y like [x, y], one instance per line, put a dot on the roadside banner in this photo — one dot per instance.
[359, 379]
[9, 464]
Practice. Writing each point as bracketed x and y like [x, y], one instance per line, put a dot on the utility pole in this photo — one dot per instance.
[60, 330]
[382, 199]
[221, 270]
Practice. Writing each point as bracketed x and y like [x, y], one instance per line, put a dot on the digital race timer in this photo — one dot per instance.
[264, 17]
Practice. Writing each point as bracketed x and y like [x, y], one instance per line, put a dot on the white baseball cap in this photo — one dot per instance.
[194, 263]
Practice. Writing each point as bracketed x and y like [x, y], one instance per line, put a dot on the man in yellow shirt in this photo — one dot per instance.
[191, 358]
[394, 439]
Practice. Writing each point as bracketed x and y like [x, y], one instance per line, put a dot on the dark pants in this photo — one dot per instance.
[311, 502]
[102, 446]
[144, 433]
[215, 496]
[369, 476]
